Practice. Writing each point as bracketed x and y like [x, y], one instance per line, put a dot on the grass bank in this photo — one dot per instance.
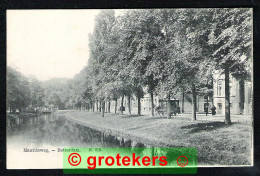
[217, 143]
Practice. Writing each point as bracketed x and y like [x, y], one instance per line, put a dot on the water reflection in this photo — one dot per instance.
[51, 130]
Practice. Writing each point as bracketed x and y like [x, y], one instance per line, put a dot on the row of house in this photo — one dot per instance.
[240, 99]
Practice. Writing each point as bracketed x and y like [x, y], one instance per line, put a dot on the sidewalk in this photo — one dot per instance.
[244, 119]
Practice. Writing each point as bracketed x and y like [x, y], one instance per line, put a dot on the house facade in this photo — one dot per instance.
[185, 103]
[240, 95]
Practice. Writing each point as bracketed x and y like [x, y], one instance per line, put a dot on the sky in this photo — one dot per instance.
[49, 43]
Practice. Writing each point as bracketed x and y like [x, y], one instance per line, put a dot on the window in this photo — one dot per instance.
[220, 106]
[219, 88]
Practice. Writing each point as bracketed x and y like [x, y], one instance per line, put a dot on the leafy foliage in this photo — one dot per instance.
[231, 38]
[161, 51]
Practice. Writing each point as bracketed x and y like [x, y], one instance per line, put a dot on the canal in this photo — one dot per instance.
[56, 131]
[51, 133]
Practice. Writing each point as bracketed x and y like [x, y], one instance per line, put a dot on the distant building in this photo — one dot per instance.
[240, 95]
[185, 103]
[240, 99]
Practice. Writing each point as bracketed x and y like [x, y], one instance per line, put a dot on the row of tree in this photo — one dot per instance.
[155, 51]
[22, 92]
[166, 50]
[28, 94]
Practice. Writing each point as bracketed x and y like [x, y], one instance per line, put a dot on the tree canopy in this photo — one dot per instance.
[156, 51]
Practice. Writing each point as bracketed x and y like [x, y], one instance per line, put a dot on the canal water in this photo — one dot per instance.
[50, 132]
[48, 129]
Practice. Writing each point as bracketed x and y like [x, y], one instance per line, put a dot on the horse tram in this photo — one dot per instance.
[161, 109]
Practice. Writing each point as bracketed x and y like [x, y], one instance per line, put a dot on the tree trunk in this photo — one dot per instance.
[139, 105]
[193, 102]
[129, 104]
[207, 102]
[182, 103]
[106, 106]
[115, 105]
[109, 106]
[152, 107]
[227, 98]
[122, 104]
[103, 108]
[100, 105]
[97, 105]
[212, 81]
[168, 107]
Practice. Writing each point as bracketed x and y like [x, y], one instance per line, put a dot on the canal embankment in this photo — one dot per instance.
[205, 135]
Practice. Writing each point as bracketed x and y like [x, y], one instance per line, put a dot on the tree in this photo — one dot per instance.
[18, 94]
[141, 31]
[36, 93]
[57, 102]
[88, 90]
[100, 41]
[231, 38]
[60, 89]
[112, 74]
[181, 56]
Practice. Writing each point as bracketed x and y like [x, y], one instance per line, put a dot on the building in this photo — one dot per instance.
[240, 99]
[240, 95]
[185, 103]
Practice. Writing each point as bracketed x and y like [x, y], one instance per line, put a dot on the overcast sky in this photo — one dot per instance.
[49, 43]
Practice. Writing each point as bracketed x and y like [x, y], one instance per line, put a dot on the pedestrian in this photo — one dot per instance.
[206, 109]
[213, 109]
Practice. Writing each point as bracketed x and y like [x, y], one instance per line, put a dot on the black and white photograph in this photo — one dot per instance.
[158, 77]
